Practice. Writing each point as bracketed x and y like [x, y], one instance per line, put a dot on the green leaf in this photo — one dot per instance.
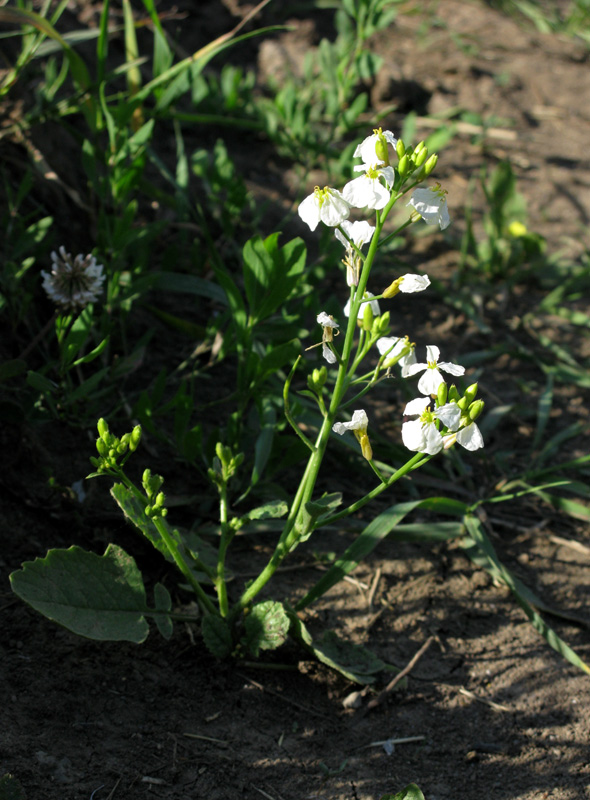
[217, 636]
[267, 626]
[10, 789]
[163, 603]
[411, 792]
[485, 556]
[134, 511]
[9, 369]
[100, 597]
[313, 512]
[381, 527]
[353, 661]
[271, 273]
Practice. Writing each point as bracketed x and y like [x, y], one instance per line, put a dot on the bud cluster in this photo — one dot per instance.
[112, 448]
[225, 465]
[156, 499]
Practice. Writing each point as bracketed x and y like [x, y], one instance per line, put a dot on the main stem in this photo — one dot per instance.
[292, 532]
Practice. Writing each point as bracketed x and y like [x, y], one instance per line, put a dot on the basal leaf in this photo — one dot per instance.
[100, 597]
[411, 792]
[216, 635]
[267, 626]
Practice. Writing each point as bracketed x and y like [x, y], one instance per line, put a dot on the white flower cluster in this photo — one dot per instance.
[441, 417]
[73, 283]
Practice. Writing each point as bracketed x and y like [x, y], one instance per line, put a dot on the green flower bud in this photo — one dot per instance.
[238, 460]
[103, 428]
[471, 392]
[102, 448]
[121, 448]
[421, 157]
[418, 149]
[453, 394]
[160, 499]
[146, 478]
[96, 462]
[383, 323]
[441, 395]
[475, 409]
[400, 148]
[381, 150]
[403, 166]
[463, 403]
[430, 164]
[368, 317]
[135, 438]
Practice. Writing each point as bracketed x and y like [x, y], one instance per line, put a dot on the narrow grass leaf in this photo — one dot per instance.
[544, 407]
[381, 527]
[497, 569]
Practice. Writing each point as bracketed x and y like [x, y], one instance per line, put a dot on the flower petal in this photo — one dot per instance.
[430, 381]
[470, 437]
[416, 406]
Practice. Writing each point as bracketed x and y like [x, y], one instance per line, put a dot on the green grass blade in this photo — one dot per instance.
[381, 527]
[486, 557]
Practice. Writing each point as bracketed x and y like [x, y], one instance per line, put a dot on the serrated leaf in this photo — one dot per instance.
[99, 597]
[411, 792]
[217, 636]
[267, 626]
[163, 602]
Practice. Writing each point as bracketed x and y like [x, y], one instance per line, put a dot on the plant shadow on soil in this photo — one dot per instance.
[82, 719]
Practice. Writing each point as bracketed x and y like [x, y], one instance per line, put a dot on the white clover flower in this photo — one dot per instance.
[358, 425]
[368, 149]
[324, 205]
[469, 437]
[367, 191]
[373, 303]
[398, 351]
[431, 204]
[422, 435]
[432, 379]
[329, 324]
[73, 283]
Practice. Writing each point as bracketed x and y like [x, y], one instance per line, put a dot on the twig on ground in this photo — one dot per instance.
[485, 701]
[376, 701]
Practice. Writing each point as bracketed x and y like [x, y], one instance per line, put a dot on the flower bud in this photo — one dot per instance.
[463, 403]
[382, 323]
[403, 166]
[160, 500]
[475, 409]
[103, 428]
[146, 478]
[430, 164]
[453, 394]
[471, 392]
[102, 448]
[368, 317]
[441, 395]
[400, 148]
[418, 149]
[135, 438]
[421, 157]
[381, 150]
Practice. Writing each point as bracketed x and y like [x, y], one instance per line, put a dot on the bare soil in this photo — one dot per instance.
[489, 710]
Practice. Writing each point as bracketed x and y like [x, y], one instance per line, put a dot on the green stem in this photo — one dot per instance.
[172, 546]
[226, 536]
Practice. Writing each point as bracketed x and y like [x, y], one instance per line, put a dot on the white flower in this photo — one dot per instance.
[398, 351]
[73, 283]
[432, 379]
[414, 283]
[367, 191]
[367, 149]
[373, 303]
[360, 232]
[421, 435]
[431, 204]
[329, 324]
[358, 424]
[469, 437]
[324, 205]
